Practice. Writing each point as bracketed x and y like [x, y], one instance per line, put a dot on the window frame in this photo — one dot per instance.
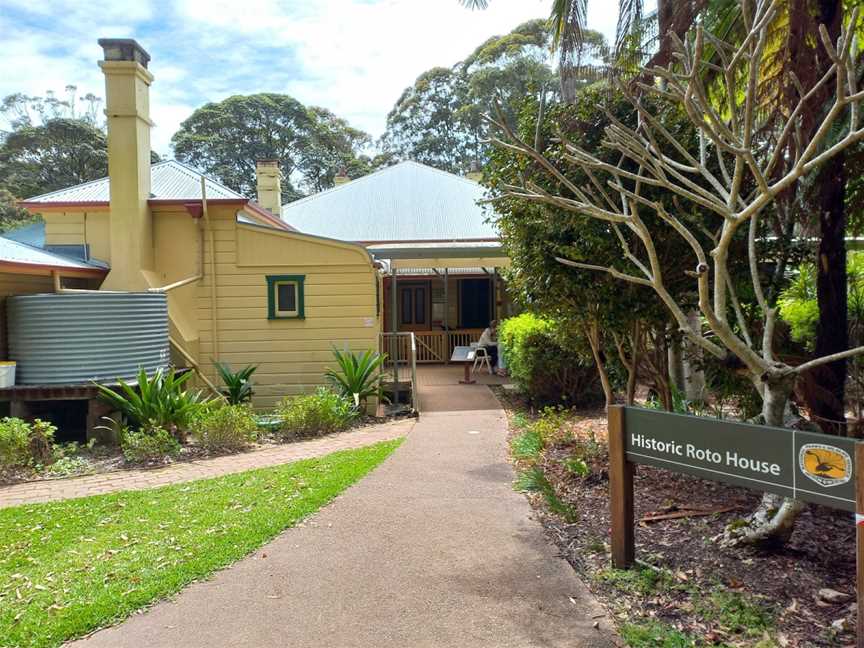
[273, 281]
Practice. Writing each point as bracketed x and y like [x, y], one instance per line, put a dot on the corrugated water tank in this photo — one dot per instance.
[75, 338]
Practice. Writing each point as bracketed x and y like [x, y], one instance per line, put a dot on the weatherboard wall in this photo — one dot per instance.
[292, 354]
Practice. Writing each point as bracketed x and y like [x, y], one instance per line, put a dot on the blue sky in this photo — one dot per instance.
[352, 56]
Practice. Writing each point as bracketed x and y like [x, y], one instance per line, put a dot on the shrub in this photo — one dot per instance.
[14, 442]
[160, 400]
[23, 443]
[225, 427]
[544, 364]
[238, 384]
[358, 376]
[323, 412]
[150, 443]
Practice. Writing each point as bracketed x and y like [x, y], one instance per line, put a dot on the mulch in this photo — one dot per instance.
[821, 553]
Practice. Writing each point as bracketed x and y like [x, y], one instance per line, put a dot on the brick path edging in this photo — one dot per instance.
[138, 479]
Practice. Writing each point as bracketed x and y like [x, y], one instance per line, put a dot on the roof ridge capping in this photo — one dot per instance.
[368, 176]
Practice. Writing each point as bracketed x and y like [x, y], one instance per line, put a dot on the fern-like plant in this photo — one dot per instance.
[238, 384]
[358, 376]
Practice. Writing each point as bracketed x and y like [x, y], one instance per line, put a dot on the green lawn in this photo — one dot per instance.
[69, 567]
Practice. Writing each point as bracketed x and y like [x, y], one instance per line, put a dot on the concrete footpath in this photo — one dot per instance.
[432, 549]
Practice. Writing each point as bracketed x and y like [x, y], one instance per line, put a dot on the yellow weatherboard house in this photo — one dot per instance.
[244, 287]
[255, 282]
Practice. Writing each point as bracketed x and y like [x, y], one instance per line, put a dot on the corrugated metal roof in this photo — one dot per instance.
[405, 202]
[15, 252]
[170, 180]
[32, 234]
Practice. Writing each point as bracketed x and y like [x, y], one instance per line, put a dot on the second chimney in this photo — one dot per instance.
[269, 184]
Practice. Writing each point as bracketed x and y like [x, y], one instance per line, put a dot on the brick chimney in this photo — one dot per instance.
[127, 106]
[268, 179]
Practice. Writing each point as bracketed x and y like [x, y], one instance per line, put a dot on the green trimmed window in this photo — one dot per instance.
[285, 297]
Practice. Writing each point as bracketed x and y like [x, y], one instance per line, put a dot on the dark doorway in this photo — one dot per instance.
[474, 303]
[414, 306]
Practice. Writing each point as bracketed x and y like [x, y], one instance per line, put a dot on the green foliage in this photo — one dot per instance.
[225, 138]
[577, 466]
[543, 363]
[533, 480]
[160, 400]
[54, 155]
[736, 613]
[11, 215]
[14, 442]
[643, 581]
[526, 445]
[225, 427]
[438, 120]
[316, 414]
[152, 443]
[87, 563]
[800, 309]
[24, 444]
[358, 376]
[238, 384]
[654, 634]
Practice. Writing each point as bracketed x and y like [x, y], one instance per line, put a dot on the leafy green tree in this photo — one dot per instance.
[332, 147]
[225, 139]
[22, 110]
[11, 215]
[438, 120]
[57, 154]
[624, 325]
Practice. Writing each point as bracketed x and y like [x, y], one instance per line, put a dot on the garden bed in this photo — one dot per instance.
[80, 460]
[693, 592]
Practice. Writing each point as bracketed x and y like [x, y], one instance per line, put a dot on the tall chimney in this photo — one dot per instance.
[269, 181]
[127, 106]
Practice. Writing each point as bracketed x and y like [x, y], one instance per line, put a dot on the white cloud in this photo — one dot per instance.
[352, 56]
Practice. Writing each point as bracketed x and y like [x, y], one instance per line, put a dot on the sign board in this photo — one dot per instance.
[803, 465]
[811, 467]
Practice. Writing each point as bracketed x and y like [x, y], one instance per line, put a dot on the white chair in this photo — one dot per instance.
[481, 358]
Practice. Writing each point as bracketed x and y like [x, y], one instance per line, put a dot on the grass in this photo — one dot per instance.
[654, 634]
[534, 481]
[527, 445]
[736, 613]
[67, 568]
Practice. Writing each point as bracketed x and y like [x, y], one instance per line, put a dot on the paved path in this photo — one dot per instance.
[58, 489]
[432, 549]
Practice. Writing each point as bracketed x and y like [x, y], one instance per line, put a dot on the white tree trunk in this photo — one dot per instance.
[773, 521]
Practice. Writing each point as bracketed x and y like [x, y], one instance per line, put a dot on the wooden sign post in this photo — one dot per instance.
[803, 465]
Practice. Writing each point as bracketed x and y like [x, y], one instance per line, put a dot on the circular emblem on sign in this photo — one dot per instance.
[824, 464]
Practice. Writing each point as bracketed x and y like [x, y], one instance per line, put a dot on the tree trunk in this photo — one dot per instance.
[592, 332]
[827, 400]
[827, 405]
[773, 521]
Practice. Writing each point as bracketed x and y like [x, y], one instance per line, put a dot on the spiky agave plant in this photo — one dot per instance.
[160, 400]
[358, 376]
[238, 384]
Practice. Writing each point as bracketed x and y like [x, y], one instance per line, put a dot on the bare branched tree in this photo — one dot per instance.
[730, 180]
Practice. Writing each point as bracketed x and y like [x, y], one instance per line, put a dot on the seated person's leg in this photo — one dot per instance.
[493, 354]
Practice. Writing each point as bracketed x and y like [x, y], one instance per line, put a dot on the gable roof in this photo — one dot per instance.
[405, 202]
[169, 180]
[22, 256]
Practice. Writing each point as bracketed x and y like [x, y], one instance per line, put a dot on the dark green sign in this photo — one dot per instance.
[804, 465]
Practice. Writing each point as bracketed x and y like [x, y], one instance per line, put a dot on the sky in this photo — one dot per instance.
[354, 57]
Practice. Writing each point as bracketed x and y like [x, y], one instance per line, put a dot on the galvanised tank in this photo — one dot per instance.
[75, 338]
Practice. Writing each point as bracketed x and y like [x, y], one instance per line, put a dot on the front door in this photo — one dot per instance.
[414, 306]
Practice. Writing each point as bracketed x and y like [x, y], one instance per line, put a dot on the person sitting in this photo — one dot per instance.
[489, 341]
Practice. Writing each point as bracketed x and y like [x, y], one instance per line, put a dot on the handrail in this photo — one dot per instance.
[392, 342]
